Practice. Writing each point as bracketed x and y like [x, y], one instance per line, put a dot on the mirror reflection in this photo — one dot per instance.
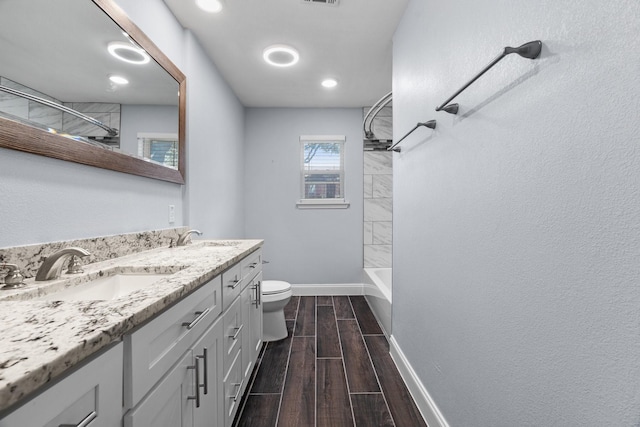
[69, 69]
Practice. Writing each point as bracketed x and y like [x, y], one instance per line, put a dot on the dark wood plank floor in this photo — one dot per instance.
[333, 370]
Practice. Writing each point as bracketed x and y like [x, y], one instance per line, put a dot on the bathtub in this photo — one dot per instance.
[377, 291]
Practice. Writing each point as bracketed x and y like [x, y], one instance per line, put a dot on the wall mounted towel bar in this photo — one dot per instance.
[529, 50]
[431, 124]
[64, 109]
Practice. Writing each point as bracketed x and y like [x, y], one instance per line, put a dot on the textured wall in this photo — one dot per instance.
[304, 246]
[516, 238]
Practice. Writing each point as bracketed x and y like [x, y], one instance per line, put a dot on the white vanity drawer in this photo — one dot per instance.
[233, 385]
[232, 330]
[231, 285]
[250, 266]
[151, 350]
[92, 394]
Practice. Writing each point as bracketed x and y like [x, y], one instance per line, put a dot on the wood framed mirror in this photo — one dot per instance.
[46, 140]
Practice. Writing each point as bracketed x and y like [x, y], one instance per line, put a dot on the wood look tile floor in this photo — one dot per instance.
[333, 370]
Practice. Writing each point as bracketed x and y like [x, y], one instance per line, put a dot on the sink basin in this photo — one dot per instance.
[212, 244]
[105, 288]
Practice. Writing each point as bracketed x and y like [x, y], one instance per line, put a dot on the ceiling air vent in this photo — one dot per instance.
[326, 2]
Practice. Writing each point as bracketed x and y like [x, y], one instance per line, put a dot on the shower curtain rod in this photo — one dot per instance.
[378, 106]
[110, 131]
[530, 50]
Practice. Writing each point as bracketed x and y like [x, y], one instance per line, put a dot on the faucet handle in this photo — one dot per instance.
[14, 278]
[74, 266]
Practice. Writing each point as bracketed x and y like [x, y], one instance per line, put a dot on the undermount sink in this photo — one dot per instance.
[105, 288]
[209, 244]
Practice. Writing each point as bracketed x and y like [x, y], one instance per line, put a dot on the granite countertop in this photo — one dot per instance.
[40, 340]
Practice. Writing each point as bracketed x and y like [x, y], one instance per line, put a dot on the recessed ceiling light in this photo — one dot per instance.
[118, 79]
[212, 6]
[329, 83]
[280, 55]
[128, 53]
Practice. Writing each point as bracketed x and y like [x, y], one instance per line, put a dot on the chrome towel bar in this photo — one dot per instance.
[530, 50]
[431, 124]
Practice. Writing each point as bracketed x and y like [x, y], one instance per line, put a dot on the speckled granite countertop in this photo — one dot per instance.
[40, 340]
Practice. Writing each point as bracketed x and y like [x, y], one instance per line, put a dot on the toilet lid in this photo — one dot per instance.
[274, 287]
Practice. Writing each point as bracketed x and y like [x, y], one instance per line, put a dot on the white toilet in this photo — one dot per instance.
[275, 295]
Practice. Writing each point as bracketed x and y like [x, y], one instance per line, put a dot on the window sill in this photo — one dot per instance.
[322, 204]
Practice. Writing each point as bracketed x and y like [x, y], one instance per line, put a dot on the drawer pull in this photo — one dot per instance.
[235, 397]
[84, 423]
[253, 265]
[257, 301]
[235, 336]
[206, 378]
[200, 315]
[234, 283]
[196, 366]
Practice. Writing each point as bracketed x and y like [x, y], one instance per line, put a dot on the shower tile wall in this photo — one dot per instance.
[378, 197]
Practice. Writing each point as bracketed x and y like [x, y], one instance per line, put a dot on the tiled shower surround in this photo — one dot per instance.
[378, 197]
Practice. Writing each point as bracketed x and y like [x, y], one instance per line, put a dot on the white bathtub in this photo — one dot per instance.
[377, 291]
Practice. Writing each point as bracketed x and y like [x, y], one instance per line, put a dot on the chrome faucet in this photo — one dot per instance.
[183, 239]
[52, 265]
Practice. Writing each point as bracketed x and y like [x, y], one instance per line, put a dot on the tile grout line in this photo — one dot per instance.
[344, 367]
[315, 362]
[286, 371]
[375, 372]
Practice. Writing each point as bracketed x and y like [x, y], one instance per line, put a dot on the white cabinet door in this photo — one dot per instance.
[256, 319]
[208, 353]
[252, 318]
[92, 394]
[170, 403]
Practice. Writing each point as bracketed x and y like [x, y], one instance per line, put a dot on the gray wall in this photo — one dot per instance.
[145, 118]
[49, 200]
[215, 129]
[516, 238]
[215, 126]
[304, 246]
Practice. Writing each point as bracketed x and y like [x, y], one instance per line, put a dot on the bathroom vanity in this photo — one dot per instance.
[176, 352]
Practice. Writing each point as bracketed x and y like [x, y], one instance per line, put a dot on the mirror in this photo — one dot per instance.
[57, 99]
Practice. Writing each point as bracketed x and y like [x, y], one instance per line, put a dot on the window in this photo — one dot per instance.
[322, 171]
[160, 148]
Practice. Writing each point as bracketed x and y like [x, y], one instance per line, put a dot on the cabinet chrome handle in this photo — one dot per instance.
[235, 397]
[234, 283]
[259, 286]
[258, 299]
[206, 369]
[235, 336]
[196, 366]
[200, 315]
[85, 422]
[253, 265]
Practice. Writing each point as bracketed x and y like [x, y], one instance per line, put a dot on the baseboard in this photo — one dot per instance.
[327, 289]
[425, 403]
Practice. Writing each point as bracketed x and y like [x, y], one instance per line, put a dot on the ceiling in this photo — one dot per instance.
[350, 42]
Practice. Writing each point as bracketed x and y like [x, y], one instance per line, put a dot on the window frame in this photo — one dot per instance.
[326, 203]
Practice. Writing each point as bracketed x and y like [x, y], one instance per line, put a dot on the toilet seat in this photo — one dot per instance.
[272, 287]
